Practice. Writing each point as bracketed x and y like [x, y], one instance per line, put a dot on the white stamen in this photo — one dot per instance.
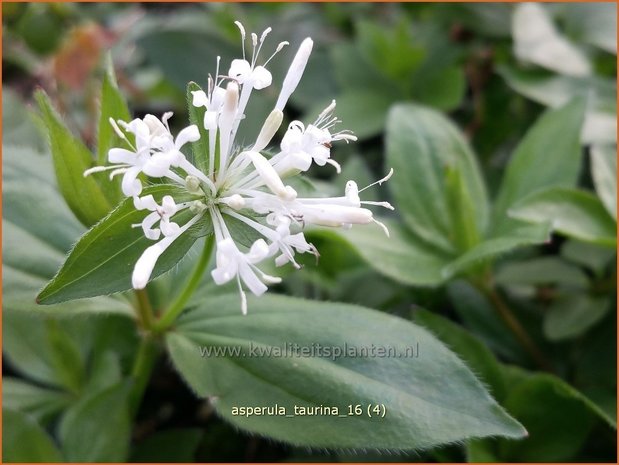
[279, 48]
[242, 29]
[97, 169]
[226, 120]
[117, 171]
[386, 205]
[380, 181]
[338, 168]
[382, 225]
[117, 130]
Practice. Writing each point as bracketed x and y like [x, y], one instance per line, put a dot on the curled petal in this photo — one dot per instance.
[188, 134]
[251, 280]
[217, 98]
[145, 203]
[258, 251]
[199, 98]
[158, 165]
[147, 226]
[117, 155]
[239, 70]
[169, 228]
[156, 127]
[261, 78]
[131, 186]
[168, 205]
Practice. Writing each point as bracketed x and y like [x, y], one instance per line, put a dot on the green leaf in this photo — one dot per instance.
[24, 441]
[65, 357]
[495, 246]
[473, 352]
[18, 124]
[21, 162]
[38, 229]
[390, 50]
[25, 346]
[491, 19]
[577, 214]
[71, 158]
[425, 149]
[443, 89]
[480, 451]
[28, 348]
[102, 260]
[480, 318]
[39, 209]
[554, 90]
[169, 446]
[97, 428]
[604, 171]
[562, 405]
[422, 410]
[21, 288]
[594, 23]
[200, 148]
[112, 105]
[40, 403]
[541, 271]
[550, 48]
[558, 430]
[363, 86]
[105, 370]
[354, 70]
[591, 256]
[401, 256]
[573, 314]
[184, 55]
[548, 156]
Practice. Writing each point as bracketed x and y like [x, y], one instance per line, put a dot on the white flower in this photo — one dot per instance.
[154, 154]
[300, 145]
[245, 185]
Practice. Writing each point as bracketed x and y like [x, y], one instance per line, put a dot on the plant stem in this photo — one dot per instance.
[144, 309]
[147, 351]
[178, 305]
[142, 369]
[514, 325]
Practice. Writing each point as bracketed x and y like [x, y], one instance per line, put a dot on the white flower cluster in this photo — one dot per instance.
[239, 183]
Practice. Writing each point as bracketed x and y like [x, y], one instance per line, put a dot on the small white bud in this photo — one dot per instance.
[197, 207]
[269, 128]
[297, 67]
[235, 201]
[193, 184]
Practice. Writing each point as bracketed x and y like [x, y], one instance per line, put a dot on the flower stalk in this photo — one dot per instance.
[515, 327]
[144, 309]
[175, 309]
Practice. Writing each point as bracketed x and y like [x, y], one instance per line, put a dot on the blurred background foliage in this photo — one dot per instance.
[490, 69]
